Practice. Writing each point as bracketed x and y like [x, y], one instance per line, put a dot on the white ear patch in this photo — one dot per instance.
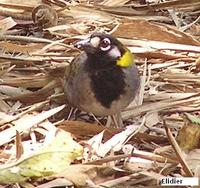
[114, 52]
[95, 41]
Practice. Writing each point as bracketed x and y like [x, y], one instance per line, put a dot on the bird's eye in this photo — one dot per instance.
[105, 44]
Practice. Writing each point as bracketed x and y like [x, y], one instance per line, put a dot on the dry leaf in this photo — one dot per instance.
[114, 3]
[114, 144]
[81, 174]
[192, 159]
[51, 159]
[151, 31]
[6, 24]
[22, 2]
[188, 136]
[25, 123]
[152, 119]
[81, 12]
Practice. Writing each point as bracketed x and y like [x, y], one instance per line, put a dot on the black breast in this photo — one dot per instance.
[108, 85]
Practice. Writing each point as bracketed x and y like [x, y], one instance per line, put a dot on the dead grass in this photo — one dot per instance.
[164, 37]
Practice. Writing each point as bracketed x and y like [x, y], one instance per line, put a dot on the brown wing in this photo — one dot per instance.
[73, 76]
[75, 65]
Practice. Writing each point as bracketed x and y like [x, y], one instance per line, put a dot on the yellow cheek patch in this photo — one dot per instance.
[126, 60]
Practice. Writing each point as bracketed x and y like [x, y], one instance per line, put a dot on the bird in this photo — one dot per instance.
[103, 79]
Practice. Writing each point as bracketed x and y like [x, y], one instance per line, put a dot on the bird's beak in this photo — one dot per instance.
[83, 44]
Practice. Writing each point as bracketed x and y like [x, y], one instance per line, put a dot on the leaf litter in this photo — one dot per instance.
[42, 139]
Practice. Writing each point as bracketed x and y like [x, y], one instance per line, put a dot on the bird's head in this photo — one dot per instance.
[105, 50]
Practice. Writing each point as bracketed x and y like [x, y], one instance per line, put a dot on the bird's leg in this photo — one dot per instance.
[109, 121]
[117, 120]
[70, 113]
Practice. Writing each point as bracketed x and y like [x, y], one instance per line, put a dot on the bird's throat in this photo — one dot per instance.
[108, 85]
